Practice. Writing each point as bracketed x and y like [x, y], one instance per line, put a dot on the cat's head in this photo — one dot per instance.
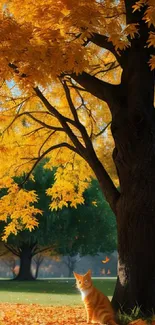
[83, 282]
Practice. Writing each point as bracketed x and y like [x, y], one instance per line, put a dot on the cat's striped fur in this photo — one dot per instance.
[97, 305]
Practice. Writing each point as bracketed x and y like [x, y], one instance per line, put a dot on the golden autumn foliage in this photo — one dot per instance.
[17, 206]
[43, 113]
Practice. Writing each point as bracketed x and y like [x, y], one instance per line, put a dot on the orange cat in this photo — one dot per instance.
[98, 306]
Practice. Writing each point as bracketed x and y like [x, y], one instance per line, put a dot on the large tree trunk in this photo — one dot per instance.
[25, 273]
[133, 129]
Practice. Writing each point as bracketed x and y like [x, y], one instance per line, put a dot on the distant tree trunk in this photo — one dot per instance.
[70, 263]
[38, 259]
[37, 270]
[70, 272]
[25, 273]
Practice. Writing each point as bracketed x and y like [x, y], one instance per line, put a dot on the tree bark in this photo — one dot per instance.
[25, 273]
[133, 129]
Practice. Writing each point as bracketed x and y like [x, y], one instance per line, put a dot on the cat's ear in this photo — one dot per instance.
[89, 272]
[75, 275]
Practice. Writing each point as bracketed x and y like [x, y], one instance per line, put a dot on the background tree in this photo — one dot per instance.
[68, 231]
[45, 57]
[38, 259]
[70, 262]
[28, 244]
[11, 262]
[83, 229]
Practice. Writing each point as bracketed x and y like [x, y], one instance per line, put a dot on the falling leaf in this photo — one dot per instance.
[94, 203]
[107, 259]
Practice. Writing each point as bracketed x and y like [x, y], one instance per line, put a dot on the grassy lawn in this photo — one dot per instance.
[48, 292]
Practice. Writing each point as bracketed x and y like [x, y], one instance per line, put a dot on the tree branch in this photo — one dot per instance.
[12, 249]
[29, 114]
[41, 250]
[52, 109]
[102, 131]
[38, 159]
[38, 259]
[112, 66]
[34, 131]
[83, 103]
[102, 41]
[44, 124]
[70, 102]
[108, 188]
[80, 149]
[100, 89]
[33, 245]
[103, 91]
[39, 152]
[79, 125]
[110, 191]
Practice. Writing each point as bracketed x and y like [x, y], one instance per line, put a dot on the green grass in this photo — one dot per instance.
[134, 314]
[48, 292]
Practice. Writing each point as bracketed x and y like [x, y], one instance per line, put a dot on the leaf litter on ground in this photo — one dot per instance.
[33, 314]
[22, 314]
